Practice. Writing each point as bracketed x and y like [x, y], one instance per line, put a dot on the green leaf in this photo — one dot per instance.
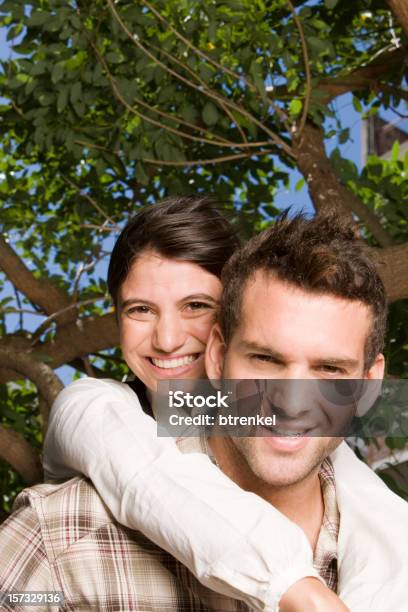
[38, 18]
[188, 112]
[375, 170]
[357, 105]
[113, 57]
[133, 124]
[62, 99]
[330, 4]
[395, 151]
[38, 68]
[75, 61]
[76, 92]
[299, 185]
[255, 71]
[80, 108]
[320, 46]
[210, 114]
[57, 73]
[141, 175]
[344, 136]
[295, 107]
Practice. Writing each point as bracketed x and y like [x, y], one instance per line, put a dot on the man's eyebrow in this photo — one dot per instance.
[344, 362]
[259, 348]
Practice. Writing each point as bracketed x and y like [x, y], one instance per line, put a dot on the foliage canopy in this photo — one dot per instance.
[110, 105]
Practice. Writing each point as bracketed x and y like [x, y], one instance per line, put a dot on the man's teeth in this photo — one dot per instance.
[173, 363]
[287, 432]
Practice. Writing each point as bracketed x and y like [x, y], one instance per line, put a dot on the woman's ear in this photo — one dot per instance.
[214, 353]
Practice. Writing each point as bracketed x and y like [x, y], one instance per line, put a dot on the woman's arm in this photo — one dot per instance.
[233, 541]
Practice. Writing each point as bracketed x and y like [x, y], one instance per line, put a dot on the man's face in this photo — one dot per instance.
[288, 333]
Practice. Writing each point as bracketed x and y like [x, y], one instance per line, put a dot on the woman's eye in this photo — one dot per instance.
[140, 310]
[197, 306]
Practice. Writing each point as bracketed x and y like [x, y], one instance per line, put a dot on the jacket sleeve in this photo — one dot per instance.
[233, 541]
[24, 565]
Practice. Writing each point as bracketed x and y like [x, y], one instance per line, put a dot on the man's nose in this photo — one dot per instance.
[291, 398]
[169, 334]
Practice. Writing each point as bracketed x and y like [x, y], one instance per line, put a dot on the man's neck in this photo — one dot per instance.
[301, 502]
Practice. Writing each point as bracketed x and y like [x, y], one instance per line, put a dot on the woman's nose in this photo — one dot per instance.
[169, 334]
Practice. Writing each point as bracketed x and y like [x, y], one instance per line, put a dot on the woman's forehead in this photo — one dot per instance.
[155, 275]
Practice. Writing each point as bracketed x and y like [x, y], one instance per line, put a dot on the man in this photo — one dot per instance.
[302, 301]
[297, 277]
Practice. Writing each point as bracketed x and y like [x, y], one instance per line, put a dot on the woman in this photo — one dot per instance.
[164, 280]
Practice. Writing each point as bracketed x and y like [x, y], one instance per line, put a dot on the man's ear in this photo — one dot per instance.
[373, 389]
[377, 369]
[215, 353]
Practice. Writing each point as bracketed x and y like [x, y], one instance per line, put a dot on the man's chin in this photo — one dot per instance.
[280, 461]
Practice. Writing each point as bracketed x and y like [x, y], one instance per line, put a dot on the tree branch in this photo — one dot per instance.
[41, 292]
[25, 459]
[206, 91]
[41, 374]
[167, 128]
[211, 160]
[49, 320]
[400, 10]
[92, 202]
[72, 341]
[324, 184]
[197, 51]
[308, 88]
[222, 105]
[392, 264]
[362, 78]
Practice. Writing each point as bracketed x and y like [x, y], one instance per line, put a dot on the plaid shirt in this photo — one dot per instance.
[63, 538]
[325, 555]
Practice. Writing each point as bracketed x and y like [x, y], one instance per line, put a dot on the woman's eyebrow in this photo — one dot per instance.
[200, 296]
[194, 296]
[134, 300]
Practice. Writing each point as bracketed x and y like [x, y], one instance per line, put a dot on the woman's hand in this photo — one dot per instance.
[310, 595]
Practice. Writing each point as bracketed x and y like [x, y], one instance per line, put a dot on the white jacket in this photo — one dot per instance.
[233, 541]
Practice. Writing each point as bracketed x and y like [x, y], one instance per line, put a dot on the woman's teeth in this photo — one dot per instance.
[173, 363]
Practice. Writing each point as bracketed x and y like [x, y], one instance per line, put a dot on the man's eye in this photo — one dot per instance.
[332, 369]
[261, 357]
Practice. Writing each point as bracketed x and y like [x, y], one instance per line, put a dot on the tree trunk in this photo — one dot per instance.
[400, 10]
[392, 264]
[20, 455]
[324, 184]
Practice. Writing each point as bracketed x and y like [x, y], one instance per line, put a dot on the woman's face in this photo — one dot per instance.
[166, 310]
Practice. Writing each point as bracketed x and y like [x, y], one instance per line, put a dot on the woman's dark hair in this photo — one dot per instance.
[189, 228]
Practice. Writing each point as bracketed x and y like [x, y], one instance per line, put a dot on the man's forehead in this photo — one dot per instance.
[264, 289]
[278, 314]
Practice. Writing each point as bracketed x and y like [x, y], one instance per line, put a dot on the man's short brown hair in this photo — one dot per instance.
[321, 255]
